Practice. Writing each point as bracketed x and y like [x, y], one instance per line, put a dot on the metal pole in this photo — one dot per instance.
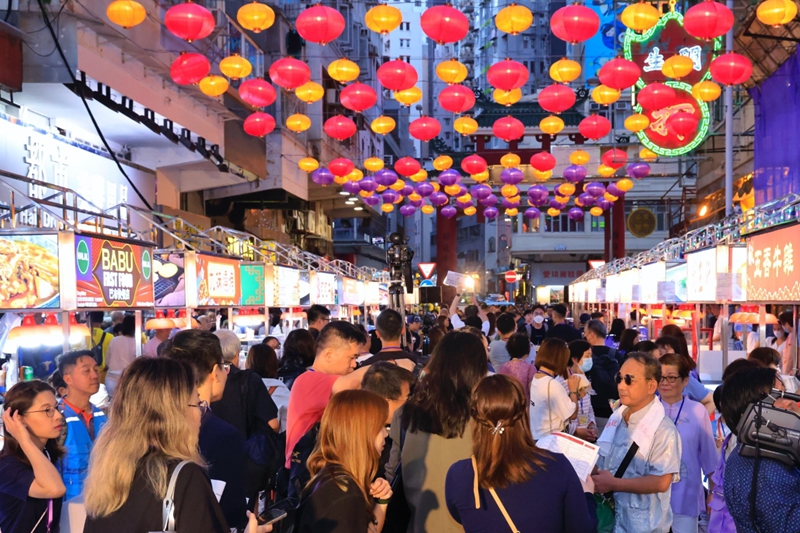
[729, 129]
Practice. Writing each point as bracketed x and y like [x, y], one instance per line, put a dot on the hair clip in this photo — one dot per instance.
[498, 428]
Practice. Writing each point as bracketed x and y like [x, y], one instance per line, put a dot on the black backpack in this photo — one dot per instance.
[97, 350]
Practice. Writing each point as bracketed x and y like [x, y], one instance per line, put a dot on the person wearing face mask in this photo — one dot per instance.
[539, 326]
[778, 338]
[581, 362]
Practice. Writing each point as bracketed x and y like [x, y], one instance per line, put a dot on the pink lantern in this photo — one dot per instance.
[424, 128]
[507, 75]
[320, 24]
[407, 166]
[656, 96]
[708, 20]
[508, 129]
[594, 127]
[289, 73]
[456, 98]
[731, 68]
[543, 161]
[444, 24]
[397, 75]
[257, 92]
[188, 69]
[615, 158]
[556, 98]
[619, 73]
[574, 23]
[473, 164]
[358, 97]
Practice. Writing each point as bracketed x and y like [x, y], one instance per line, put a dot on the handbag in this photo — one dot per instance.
[495, 497]
[606, 518]
[168, 505]
[398, 512]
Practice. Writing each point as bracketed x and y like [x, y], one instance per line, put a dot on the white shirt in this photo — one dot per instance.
[121, 352]
[548, 416]
[281, 398]
[457, 323]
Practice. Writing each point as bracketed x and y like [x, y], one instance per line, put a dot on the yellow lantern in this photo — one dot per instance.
[677, 67]
[507, 98]
[553, 212]
[387, 208]
[605, 95]
[706, 91]
[343, 70]
[213, 85]
[298, 123]
[373, 164]
[443, 162]
[636, 122]
[512, 211]
[480, 177]
[383, 19]
[381, 188]
[235, 67]
[646, 154]
[578, 202]
[309, 164]
[428, 209]
[398, 185]
[420, 176]
[625, 184]
[538, 175]
[595, 211]
[509, 191]
[565, 70]
[126, 13]
[464, 198]
[452, 190]
[414, 197]
[355, 175]
[640, 16]
[579, 157]
[383, 125]
[365, 194]
[408, 97]
[776, 12]
[551, 124]
[514, 19]
[510, 160]
[606, 171]
[340, 180]
[515, 199]
[255, 17]
[465, 125]
[399, 199]
[310, 92]
[436, 186]
[610, 197]
[562, 199]
[451, 71]
[567, 188]
[471, 210]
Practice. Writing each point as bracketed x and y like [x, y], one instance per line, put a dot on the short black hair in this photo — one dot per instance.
[505, 323]
[386, 380]
[66, 362]
[560, 310]
[201, 349]
[527, 312]
[670, 342]
[474, 321]
[787, 317]
[518, 345]
[577, 348]
[596, 315]
[389, 324]
[652, 368]
[471, 310]
[767, 356]
[129, 326]
[270, 338]
[339, 331]
[56, 381]
[645, 346]
[741, 389]
[315, 312]
[96, 317]
[538, 306]
[597, 327]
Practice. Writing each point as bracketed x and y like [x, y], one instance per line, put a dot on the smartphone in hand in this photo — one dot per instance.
[270, 516]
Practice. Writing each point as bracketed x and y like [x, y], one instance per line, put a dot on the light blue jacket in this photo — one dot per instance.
[75, 464]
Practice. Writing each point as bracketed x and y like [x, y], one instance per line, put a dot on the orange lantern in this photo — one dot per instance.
[343, 70]
[465, 125]
[383, 19]
[308, 164]
[640, 16]
[512, 211]
[235, 67]
[509, 191]
[419, 176]
[373, 164]
[579, 157]
[387, 208]
[298, 123]
[355, 175]
[553, 212]
[610, 197]
[507, 98]
[605, 95]
[443, 162]
[606, 171]
[551, 124]
[510, 160]
[452, 190]
[383, 125]
[471, 210]
[451, 71]
[428, 209]
[677, 67]
[567, 189]
[340, 180]
[480, 177]
[596, 211]
[565, 70]
[625, 184]
[706, 91]
[408, 97]
[542, 175]
[514, 19]
[636, 122]
[646, 154]
[255, 17]
[310, 92]
[126, 13]
[213, 85]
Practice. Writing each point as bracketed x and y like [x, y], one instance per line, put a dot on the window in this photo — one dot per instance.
[407, 59]
[598, 224]
[492, 245]
[562, 224]
[447, 135]
[405, 26]
[515, 224]
[387, 44]
[446, 121]
[405, 43]
[525, 41]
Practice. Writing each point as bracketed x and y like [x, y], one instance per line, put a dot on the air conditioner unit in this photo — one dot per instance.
[292, 214]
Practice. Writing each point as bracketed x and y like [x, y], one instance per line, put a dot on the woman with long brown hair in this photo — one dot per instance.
[342, 496]
[510, 483]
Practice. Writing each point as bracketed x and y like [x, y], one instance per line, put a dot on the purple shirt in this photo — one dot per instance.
[698, 457]
[522, 370]
[721, 520]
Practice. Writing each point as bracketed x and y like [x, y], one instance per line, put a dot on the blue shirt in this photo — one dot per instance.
[18, 511]
[777, 494]
[223, 447]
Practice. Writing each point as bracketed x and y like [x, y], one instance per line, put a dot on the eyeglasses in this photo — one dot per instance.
[627, 378]
[670, 379]
[226, 367]
[50, 411]
[202, 405]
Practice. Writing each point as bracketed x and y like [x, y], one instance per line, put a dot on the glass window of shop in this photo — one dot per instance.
[562, 224]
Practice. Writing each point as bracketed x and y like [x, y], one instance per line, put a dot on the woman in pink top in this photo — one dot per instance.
[518, 347]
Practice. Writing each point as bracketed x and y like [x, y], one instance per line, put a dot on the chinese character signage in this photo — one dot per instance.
[283, 286]
[323, 288]
[112, 273]
[555, 273]
[649, 50]
[701, 277]
[771, 274]
[29, 272]
[254, 289]
[352, 292]
[218, 281]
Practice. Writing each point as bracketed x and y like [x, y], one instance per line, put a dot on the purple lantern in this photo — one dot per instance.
[408, 210]
[638, 170]
[386, 177]
[512, 176]
[372, 200]
[439, 198]
[425, 189]
[490, 212]
[416, 203]
[489, 201]
[463, 205]
[576, 213]
[595, 189]
[586, 199]
[532, 213]
[555, 204]
[449, 177]
[538, 193]
[613, 190]
[480, 191]
[389, 197]
[604, 204]
[368, 184]
[508, 204]
[322, 176]
[352, 187]
[575, 173]
[405, 191]
[449, 211]
[461, 191]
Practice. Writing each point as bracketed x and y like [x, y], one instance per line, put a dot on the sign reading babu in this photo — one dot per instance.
[112, 273]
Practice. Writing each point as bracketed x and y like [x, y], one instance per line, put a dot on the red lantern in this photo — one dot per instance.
[656, 96]
[556, 98]
[473, 164]
[508, 129]
[257, 92]
[574, 23]
[320, 24]
[615, 158]
[358, 97]
[543, 161]
[189, 68]
[407, 166]
[594, 127]
[424, 128]
[189, 21]
[731, 69]
[708, 20]
[682, 123]
[456, 98]
[289, 73]
[507, 75]
[397, 75]
[619, 73]
[341, 166]
[339, 127]
[259, 124]
[444, 24]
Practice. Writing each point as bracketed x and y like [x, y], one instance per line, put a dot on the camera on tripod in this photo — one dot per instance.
[769, 431]
[398, 258]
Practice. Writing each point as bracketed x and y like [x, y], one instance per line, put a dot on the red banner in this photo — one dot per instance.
[771, 275]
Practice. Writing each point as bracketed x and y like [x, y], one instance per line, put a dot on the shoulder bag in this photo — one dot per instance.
[606, 518]
[495, 497]
[168, 505]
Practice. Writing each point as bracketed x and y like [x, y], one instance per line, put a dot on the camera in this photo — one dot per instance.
[769, 431]
[398, 258]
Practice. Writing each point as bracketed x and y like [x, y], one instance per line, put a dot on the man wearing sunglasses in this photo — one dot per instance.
[642, 494]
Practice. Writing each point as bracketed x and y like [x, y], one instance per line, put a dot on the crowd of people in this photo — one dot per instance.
[397, 429]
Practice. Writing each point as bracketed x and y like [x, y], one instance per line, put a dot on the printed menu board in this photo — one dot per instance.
[649, 278]
[352, 292]
[629, 290]
[701, 277]
[286, 286]
[323, 285]
[29, 272]
[372, 294]
[112, 273]
[218, 281]
[612, 289]
[254, 291]
[771, 276]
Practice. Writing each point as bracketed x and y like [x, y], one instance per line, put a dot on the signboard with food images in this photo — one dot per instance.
[283, 286]
[111, 273]
[352, 292]
[218, 281]
[323, 288]
[29, 272]
[254, 289]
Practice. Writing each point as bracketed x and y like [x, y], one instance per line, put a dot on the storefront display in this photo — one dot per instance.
[284, 290]
[253, 280]
[675, 284]
[649, 278]
[218, 281]
[351, 292]
[172, 272]
[771, 276]
[323, 288]
[29, 271]
[629, 288]
[701, 276]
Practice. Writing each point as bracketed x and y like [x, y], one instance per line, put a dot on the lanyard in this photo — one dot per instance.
[49, 515]
[538, 371]
[679, 411]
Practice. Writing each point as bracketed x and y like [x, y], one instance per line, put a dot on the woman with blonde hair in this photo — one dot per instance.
[341, 496]
[153, 426]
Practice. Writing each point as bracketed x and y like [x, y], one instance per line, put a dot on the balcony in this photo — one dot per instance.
[466, 6]
[351, 236]
[467, 54]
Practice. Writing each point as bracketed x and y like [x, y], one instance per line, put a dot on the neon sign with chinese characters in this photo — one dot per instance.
[649, 50]
[771, 274]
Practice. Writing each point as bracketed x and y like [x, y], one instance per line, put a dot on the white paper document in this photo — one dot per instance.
[218, 487]
[454, 279]
[581, 454]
